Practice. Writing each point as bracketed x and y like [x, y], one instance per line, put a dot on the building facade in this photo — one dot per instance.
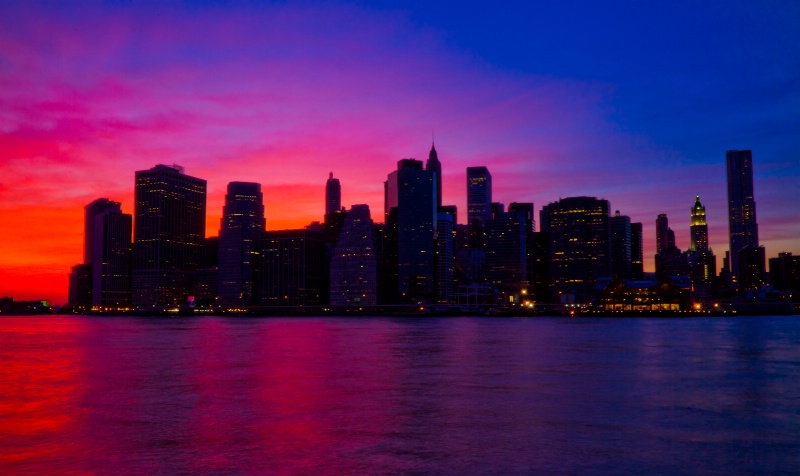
[354, 265]
[742, 225]
[169, 232]
[241, 226]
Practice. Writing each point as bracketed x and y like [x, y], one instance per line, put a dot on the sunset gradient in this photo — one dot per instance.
[284, 94]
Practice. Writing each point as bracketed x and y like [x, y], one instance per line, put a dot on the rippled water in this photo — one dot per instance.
[381, 395]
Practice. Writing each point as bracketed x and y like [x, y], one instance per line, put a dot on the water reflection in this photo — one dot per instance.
[212, 395]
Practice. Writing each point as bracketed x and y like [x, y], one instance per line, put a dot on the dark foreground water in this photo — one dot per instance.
[381, 395]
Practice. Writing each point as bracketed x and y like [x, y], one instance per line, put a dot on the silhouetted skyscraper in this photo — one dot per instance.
[445, 256]
[169, 232]
[698, 230]
[665, 237]
[479, 195]
[90, 211]
[578, 231]
[111, 260]
[354, 266]
[291, 268]
[333, 195]
[637, 252]
[241, 226]
[742, 226]
[621, 246]
[410, 209]
[434, 166]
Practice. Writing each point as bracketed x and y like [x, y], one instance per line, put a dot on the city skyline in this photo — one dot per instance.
[94, 93]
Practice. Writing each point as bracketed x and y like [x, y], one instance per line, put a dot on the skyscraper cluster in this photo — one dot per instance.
[419, 254]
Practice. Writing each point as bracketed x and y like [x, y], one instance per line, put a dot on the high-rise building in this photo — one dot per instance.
[111, 259]
[479, 195]
[742, 226]
[578, 232]
[507, 251]
[410, 211]
[621, 244]
[205, 285]
[637, 252]
[169, 232]
[90, 211]
[698, 230]
[354, 266]
[701, 259]
[665, 237]
[445, 256]
[333, 195]
[435, 167]
[241, 225]
[291, 269]
[784, 274]
[752, 268]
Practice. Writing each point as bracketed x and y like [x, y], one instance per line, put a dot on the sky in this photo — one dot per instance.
[634, 102]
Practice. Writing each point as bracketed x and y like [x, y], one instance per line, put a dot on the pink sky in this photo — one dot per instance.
[284, 95]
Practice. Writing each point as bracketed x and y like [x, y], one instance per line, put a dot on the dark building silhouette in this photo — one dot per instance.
[354, 265]
[205, 285]
[479, 195]
[170, 211]
[784, 274]
[333, 195]
[435, 167]
[701, 259]
[752, 268]
[578, 231]
[410, 211]
[79, 296]
[621, 244]
[445, 256]
[241, 226]
[104, 279]
[742, 226]
[508, 252]
[665, 237]
[111, 261]
[291, 268]
[637, 252]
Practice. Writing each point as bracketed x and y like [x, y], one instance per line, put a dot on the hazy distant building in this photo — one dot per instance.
[742, 226]
[354, 265]
[578, 232]
[621, 244]
[435, 167]
[333, 195]
[170, 222]
[410, 211]
[637, 252]
[241, 226]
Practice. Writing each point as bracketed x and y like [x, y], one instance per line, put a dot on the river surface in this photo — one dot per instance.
[212, 395]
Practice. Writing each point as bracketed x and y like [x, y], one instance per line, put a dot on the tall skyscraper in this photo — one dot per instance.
[333, 195]
[410, 209]
[665, 237]
[621, 246]
[111, 260]
[104, 279]
[291, 268]
[445, 256]
[578, 231]
[698, 230]
[506, 251]
[434, 166]
[241, 226]
[701, 259]
[637, 252]
[742, 226]
[479, 195]
[354, 266]
[169, 232]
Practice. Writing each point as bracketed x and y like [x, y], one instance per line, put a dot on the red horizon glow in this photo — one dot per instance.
[285, 96]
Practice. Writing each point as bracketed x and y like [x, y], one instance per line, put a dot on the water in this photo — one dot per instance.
[382, 395]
